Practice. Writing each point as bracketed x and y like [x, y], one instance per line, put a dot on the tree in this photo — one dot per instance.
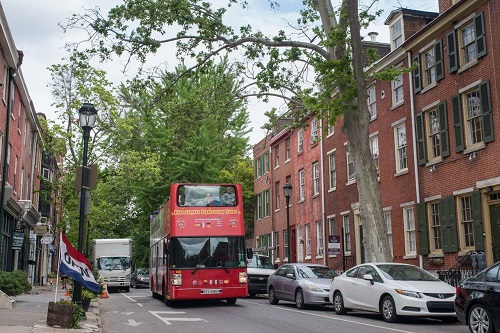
[325, 42]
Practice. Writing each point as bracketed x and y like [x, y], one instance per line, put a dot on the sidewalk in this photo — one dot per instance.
[29, 314]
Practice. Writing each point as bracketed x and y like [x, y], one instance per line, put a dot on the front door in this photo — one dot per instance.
[293, 247]
[495, 230]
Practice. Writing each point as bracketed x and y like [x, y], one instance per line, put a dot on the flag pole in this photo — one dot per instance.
[58, 263]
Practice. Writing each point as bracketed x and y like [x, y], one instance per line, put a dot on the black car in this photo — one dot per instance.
[140, 278]
[477, 303]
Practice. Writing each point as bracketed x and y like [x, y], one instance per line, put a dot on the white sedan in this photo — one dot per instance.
[393, 290]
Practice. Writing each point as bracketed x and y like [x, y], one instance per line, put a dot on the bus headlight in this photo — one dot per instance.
[242, 277]
[176, 279]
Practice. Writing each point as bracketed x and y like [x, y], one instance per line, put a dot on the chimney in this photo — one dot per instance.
[373, 35]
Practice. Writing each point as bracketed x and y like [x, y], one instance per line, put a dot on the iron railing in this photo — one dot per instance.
[465, 267]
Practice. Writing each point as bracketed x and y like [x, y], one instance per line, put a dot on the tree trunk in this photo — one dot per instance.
[356, 121]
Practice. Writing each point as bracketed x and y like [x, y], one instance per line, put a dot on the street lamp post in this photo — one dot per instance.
[287, 190]
[88, 115]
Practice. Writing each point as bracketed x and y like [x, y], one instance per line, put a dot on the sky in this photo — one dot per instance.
[34, 27]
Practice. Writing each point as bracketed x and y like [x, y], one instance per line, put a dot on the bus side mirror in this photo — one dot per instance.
[250, 253]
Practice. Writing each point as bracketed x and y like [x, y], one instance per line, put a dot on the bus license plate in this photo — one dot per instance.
[211, 291]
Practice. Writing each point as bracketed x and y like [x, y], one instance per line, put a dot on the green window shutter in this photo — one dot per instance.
[477, 220]
[484, 91]
[443, 130]
[420, 139]
[417, 83]
[448, 224]
[423, 244]
[438, 52]
[452, 52]
[457, 123]
[480, 35]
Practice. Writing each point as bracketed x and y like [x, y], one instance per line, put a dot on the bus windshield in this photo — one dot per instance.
[206, 195]
[199, 252]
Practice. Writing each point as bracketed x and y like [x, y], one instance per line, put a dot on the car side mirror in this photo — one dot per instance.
[290, 276]
[369, 277]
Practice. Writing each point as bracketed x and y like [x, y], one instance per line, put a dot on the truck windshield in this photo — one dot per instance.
[261, 262]
[114, 263]
[199, 252]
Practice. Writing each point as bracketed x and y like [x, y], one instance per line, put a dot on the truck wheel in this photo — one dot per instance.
[127, 289]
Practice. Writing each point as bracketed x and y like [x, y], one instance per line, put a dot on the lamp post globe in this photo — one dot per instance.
[287, 191]
[87, 114]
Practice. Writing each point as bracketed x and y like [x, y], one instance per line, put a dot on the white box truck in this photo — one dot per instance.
[113, 261]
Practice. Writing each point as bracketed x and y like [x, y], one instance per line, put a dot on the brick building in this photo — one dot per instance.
[432, 135]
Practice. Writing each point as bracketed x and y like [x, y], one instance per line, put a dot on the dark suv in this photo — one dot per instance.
[258, 270]
[477, 303]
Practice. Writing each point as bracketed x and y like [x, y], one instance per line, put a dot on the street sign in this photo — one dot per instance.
[17, 239]
[40, 229]
[333, 245]
[47, 239]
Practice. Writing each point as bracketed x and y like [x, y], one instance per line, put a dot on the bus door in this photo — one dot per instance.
[166, 264]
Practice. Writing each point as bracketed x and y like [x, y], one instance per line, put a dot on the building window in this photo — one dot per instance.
[8, 162]
[14, 186]
[351, 171]
[332, 170]
[5, 80]
[409, 230]
[400, 143]
[315, 170]
[331, 226]
[397, 89]
[300, 140]
[267, 204]
[287, 149]
[433, 137]
[302, 184]
[467, 43]
[473, 120]
[19, 116]
[259, 212]
[308, 240]
[397, 34]
[277, 245]
[466, 222]
[372, 102]
[430, 67]
[277, 190]
[267, 165]
[347, 234]
[314, 131]
[388, 225]
[277, 156]
[429, 62]
[21, 187]
[435, 227]
[319, 238]
[46, 173]
[375, 153]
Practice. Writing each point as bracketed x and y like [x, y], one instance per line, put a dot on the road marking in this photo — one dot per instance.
[139, 296]
[333, 318]
[132, 322]
[168, 320]
[130, 298]
[123, 313]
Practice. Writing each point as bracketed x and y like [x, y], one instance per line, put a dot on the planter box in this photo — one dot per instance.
[61, 314]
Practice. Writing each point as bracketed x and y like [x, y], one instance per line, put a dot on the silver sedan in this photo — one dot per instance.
[302, 283]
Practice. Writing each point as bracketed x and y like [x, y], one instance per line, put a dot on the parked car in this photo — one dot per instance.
[393, 290]
[140, 278]
[302, 283]
[477, 301]
[258, 270]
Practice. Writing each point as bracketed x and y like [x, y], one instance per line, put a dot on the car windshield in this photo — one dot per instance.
[406, 273]
[142, 271]
[261, 262]
[315, 272]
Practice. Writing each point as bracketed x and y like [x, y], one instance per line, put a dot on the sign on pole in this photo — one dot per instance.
[333, 245]
[17, 239]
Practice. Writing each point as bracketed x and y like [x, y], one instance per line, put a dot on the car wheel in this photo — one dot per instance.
[338, 304]
[299, 299]
[272, 297]
[480, 320]
[389, 310]
[252, 294]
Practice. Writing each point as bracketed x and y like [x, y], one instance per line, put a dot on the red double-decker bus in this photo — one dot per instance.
[198, 244]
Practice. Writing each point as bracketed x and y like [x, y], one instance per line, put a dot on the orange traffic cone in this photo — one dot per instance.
[104, 293]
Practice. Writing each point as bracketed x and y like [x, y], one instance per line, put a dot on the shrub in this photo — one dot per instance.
[14, 283]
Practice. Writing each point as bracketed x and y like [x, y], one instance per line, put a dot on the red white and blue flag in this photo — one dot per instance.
[75, 265]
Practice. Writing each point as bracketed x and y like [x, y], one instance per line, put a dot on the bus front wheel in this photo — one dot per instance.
[231, 301]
